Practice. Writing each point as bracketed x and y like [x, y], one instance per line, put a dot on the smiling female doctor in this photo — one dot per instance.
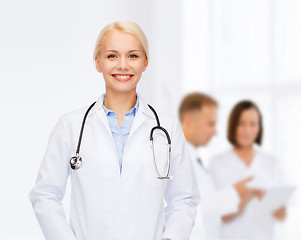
[118, 187]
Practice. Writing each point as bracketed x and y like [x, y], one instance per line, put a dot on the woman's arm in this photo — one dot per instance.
[50, 186]
[248, 195]
[181, 195]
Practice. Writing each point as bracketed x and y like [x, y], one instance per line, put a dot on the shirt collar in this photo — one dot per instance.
[131, 111]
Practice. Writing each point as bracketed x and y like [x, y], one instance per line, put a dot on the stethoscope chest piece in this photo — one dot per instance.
[76, 162]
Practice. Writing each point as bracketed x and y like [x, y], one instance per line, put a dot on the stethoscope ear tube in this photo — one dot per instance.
[82, 128]
[166, 177]
[151, 138]
[162, 129]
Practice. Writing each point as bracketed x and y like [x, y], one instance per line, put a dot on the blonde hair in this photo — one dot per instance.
[122, 26]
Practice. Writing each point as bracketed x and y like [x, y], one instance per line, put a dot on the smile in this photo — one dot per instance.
[122, 77]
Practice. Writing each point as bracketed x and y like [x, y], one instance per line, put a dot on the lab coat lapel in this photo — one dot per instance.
[142, 114]
[99, 111]
[101, 114]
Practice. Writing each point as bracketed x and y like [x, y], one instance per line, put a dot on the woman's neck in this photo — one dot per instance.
[245, 153]
[120, 103]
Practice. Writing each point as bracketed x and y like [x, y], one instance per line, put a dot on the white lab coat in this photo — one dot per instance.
[104, 203]
[214, 203]
[226, 169]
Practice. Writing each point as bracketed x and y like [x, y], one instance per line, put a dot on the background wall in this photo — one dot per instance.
[231, 49]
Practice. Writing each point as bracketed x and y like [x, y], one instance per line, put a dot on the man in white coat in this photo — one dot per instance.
[198, 116]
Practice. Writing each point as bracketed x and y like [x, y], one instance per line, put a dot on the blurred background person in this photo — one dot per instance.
[245, 131]
[198, 116]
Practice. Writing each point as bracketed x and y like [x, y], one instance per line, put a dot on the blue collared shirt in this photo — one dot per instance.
[121, 134]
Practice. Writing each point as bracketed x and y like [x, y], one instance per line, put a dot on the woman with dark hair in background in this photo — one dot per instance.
[245, 131]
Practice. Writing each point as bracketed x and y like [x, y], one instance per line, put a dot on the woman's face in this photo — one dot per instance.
[121, 61]
[248, 128]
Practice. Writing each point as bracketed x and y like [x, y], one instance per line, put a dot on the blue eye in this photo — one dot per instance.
[112, 56]
[133, 56]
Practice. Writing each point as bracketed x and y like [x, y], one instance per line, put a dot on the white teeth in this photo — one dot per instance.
[122, 76]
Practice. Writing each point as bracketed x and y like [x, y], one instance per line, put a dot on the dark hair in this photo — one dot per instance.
[194, 101]
[234, 120]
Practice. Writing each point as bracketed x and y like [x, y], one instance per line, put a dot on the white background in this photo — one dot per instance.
[231, 49]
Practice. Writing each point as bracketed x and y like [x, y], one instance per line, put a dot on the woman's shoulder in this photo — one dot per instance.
[265, 155]
[71, 120]
[169, 122]
[75, 114]
[166, 120]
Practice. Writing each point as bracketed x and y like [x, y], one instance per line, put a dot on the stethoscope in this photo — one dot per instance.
[76, 161]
